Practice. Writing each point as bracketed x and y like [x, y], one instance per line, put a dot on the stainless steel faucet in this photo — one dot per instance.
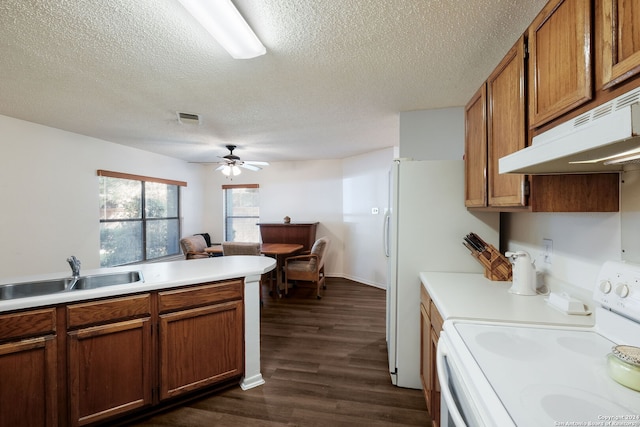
[74, 263]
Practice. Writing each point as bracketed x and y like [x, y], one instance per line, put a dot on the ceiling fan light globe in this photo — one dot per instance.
[235, 170]
[226, 170]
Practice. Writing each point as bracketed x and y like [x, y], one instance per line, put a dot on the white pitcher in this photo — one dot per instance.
[524, 273]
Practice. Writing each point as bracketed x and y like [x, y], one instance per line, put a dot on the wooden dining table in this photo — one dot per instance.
[279, 251]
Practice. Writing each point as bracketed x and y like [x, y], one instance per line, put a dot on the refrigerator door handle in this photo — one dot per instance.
[386, 236]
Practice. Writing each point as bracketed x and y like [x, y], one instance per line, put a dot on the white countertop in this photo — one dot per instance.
[472, 296]
[160, 275]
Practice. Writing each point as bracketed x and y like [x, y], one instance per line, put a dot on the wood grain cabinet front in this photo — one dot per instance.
[431, 325]
[200, 347]
[560, 61]
[497, 129]
[28, 369]
[201, 337]
[110, 363]
[506, 126]
[620, 41]
[475, 150]
[120, 355]
[425, 350]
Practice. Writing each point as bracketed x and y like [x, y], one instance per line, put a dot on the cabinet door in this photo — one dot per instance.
[200, 347]
[475, 150]
[436, 327]
[435, 393]
[560, 60]
[28, 385]
[506, 126]
[620, 40]
[425, 356]
[109, 370]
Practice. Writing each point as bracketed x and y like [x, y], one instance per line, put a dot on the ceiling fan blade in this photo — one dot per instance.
[221, 167]
[250, 167]
[253, 162]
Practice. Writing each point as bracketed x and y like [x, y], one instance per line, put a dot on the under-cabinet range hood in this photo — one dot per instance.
[600, 140]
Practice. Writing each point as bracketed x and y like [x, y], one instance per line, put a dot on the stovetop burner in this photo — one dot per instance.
[544, 374]
[558, 404]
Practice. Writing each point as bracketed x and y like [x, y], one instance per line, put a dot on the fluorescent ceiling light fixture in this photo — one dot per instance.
[223, 21]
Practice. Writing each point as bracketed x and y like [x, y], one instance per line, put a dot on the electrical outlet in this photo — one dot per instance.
[374, 211]
[547, 245]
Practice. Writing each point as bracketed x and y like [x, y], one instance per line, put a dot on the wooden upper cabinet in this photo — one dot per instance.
[620, 40]
[560, 63]
[506, 126]
[475, 151]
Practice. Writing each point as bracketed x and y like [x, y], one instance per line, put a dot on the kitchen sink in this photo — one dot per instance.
[31, 289]
[100, 280]
[68, 284]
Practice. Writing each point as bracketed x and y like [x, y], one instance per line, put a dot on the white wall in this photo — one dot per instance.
[581, 243]
[306, 191]
[49, 195]
[48, 188]
[366, 186]
[432, 134]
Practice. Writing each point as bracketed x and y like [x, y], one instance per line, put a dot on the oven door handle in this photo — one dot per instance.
[443, 376]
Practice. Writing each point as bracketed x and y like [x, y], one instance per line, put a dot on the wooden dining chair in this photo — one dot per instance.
[240, 248]
[247, 248]
[308, 267]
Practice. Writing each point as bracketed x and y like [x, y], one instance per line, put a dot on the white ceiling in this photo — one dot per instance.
[334, 78]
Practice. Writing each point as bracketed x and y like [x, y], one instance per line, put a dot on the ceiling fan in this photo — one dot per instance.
[230, 164]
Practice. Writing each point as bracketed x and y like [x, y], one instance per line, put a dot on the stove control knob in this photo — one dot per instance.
[605, 286]
[622, 290]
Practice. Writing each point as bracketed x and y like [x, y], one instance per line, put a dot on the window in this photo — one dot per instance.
[139, 218]
[241, 213]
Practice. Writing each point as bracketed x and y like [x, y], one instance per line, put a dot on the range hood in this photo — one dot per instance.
[600, 140]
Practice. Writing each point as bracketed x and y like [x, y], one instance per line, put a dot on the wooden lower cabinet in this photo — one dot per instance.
[109, 370]
[116, 356]
[109, 364]
[28, 385]
[431, 325]
[425, 355]
[201, 337]
[28, 369]
[200, 347]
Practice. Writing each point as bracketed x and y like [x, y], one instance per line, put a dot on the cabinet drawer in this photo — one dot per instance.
[27, 324]
[109, 310]
[436, 319]
[200, 295]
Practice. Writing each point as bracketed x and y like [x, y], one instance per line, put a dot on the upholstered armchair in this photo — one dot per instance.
[193, 247]
[308, 267]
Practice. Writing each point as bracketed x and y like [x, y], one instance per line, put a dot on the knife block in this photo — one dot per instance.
[496, 266]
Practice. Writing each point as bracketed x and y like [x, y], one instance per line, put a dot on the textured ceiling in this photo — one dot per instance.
[334, 78]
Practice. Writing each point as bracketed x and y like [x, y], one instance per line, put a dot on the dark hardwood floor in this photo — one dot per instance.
[324, 363]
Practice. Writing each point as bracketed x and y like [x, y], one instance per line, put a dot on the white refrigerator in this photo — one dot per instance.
[424, 228]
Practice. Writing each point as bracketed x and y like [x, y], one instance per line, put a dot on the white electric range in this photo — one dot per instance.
[501, 374]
